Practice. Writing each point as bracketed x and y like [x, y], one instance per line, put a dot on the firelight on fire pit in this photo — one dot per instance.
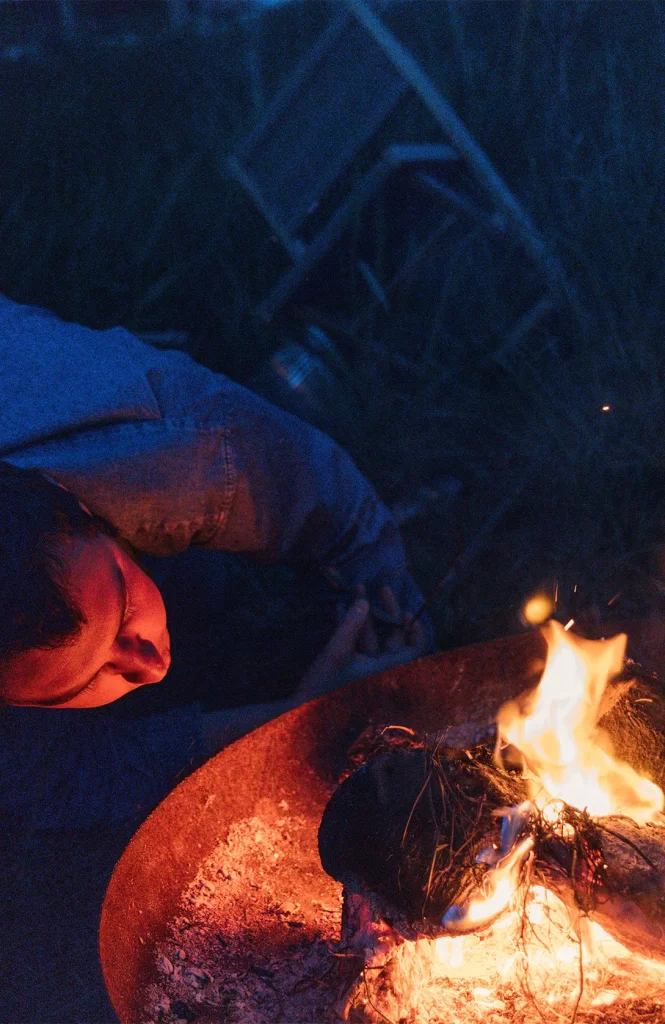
[472, 886]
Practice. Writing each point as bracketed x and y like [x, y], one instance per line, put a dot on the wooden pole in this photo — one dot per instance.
[476, 158]
[67, 17]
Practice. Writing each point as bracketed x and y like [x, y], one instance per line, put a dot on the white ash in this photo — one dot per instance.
[247, 947]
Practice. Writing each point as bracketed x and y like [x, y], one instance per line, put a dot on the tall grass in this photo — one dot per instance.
[113, 210]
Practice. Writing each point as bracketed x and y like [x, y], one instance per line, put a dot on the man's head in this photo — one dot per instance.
[80, 623]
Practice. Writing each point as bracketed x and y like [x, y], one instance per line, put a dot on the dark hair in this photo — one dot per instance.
[35, 609]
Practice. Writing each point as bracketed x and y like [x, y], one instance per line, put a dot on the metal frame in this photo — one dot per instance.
[506, 213]
[394, 158]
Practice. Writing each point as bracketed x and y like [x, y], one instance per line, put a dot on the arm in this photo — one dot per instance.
[221, 468]
[341, 661]
[80, 768]
[299, 498]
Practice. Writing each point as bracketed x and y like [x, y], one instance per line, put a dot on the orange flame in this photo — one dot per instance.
[539, 937]
[568, 757]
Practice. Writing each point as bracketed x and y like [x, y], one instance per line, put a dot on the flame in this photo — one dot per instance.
[512, 939]
[498, 888]
[538, 609]
[502, 885]
[450, 951]
[568, 757]
[568, 760]
[539, 940]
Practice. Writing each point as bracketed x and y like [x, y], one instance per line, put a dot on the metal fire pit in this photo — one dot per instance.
[298, 758]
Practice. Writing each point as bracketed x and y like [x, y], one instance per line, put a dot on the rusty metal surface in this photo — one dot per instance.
[298, 758]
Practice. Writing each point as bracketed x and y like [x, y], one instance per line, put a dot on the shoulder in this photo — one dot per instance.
[57, 376]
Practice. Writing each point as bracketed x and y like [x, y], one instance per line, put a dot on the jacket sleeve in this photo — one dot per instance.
[80, 768]
[224, 469]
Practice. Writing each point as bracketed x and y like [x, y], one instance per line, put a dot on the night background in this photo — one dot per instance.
[521, 455]
[117, 207]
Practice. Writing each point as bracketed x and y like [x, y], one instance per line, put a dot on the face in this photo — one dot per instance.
[123, 644]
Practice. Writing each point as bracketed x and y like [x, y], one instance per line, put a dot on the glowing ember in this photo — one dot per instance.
[503, 886]
[536, 949]
[530, 965]
[567, 756]
[514, 952]
[517, 951]
[538, 609]
[499, 886]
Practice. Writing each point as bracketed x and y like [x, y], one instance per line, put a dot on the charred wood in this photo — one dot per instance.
[408, 827]
[612, 870]
[408, 831]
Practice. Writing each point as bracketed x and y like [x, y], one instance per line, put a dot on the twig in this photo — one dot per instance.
[415, 804]
[375, 1008]
[581, 974]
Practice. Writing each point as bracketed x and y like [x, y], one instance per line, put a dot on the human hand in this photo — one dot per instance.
[365, 641]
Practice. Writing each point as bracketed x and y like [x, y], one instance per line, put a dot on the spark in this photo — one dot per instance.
[538, 609]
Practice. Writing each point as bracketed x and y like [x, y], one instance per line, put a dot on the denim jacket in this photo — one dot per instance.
[173, 455]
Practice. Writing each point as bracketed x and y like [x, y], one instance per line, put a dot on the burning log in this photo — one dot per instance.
[414, 832]
[613, 871]
[411, 835]
[417, 841]
[411, 827]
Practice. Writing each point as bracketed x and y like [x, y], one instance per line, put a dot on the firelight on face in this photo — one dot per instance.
[124, 642]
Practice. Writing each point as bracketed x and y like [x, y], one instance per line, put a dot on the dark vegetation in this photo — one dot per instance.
[115, 208]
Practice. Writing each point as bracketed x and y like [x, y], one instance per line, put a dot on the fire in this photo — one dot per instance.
[538, 609]
[513, 945]
[567, 756]
[567, 759]
[500, 883]
[503, 886]
[538, 942]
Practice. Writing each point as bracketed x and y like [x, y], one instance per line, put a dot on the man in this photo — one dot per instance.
[111, 449]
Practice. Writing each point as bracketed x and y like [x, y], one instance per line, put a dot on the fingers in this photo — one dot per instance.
[397, 638]
[345, 640]
[395, 641]
[390, 603]
[412, 633]
[361, 666]
[327, 670]
[354, 651]
[416, 634]
[368, 642]
[398, 630]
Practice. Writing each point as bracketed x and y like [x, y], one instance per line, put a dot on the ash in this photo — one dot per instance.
[255, 937]
[505, 975]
